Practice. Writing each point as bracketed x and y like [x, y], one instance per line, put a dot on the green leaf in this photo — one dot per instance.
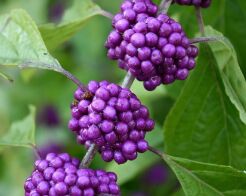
[21, 43]
[21, 133]
[233, 79]
[73, 19]
[16, 165]
[204, 125]
[157, 2]
[203, 179]
[130, 169]
[234, 22]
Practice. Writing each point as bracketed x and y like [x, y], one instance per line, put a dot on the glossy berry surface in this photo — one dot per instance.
[113, 118]
[198, 3]
[59, 174]
[154, 48]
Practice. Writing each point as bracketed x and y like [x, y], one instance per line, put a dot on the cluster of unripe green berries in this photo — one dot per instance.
[153, 48]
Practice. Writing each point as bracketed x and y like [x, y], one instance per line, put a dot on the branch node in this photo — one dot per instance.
[36, 151]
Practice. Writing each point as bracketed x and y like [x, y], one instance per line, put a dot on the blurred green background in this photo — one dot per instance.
[85, 56]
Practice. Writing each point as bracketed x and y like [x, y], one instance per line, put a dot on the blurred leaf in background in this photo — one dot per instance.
[21, 133]
[71, 22]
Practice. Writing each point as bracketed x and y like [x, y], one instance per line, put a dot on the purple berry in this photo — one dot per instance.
[182, 74]
[98, 105]
[175, 39]
[169, 50]
[199, 3]
[140, 27]
[119, 158]
[130, 15]
[127, 35]
[140, 7]
[126, 5]
[144, 53]
[154, 25]
[114, 38]
[151, 39]
[153, 47]
[165, 30]
[68, 179]
[142, 146]
[131, 50]
[122, 25]
[156, 57]
[107, 155]
[138, 40]
[113, 117]
[129, 147]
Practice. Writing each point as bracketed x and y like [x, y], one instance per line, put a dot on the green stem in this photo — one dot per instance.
[205, 39]
[36, 151]
[164, 6]
[107, 14]
[157, 152]
[74, 79]
[89, 156]
[128, 80]
[200, 20]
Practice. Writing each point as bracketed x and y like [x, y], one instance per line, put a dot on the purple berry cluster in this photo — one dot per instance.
[198, 3]
[59, 174]
[113, 118]
[153, 48]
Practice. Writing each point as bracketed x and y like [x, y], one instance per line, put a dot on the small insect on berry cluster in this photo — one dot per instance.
[113, 118]
[59, 174]
[198, 3]
[154, 48]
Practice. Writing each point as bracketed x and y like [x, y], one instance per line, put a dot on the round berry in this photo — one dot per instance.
[154, 48]
[68, 179]
[114, 120]
[197, 3]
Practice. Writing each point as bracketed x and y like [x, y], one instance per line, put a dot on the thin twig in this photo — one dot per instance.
[59, 69]
[89, 156]
[128, 80]
[74, 79]
[36, 151]
[157, 152]
[200, 20]
[106, 14]
[164, 6]
[205, 39]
